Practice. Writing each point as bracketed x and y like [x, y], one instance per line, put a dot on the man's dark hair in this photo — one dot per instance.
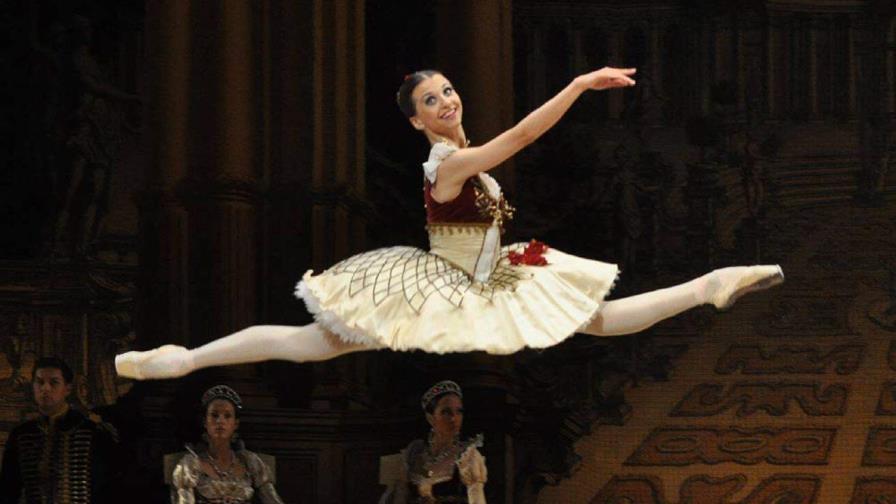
[54, 363]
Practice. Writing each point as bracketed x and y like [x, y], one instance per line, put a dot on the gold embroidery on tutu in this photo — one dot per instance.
[418, 275]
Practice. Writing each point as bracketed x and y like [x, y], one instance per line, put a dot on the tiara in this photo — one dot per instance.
[443, 387]
[222, 392]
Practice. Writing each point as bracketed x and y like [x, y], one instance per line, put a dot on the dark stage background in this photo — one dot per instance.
[172, 168]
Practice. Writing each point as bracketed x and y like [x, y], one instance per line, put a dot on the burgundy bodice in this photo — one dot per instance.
[463, 208]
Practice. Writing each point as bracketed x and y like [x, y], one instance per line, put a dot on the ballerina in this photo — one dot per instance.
[466, 293]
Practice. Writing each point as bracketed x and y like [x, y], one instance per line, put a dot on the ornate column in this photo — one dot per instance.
[200, 209]
[338, 175]
[162, 314]
[222, 191]
[289, 157]
[338, 225]
[480, 63]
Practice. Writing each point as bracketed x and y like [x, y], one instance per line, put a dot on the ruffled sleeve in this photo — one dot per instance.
[397, 491]
[184, 480]
[438, 153]
[473, 474]
[261, 479]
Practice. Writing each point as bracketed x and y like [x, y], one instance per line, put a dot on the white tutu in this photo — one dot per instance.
[463, 295]
[405, 298]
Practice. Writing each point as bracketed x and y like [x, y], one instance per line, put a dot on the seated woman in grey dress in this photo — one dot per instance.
[221, 470]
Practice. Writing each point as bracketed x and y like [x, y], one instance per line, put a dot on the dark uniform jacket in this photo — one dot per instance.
[66, 461]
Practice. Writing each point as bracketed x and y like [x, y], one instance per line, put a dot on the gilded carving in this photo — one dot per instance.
[886, 405]
[880, 449]
[874, 490]
[703, 489]
[774, 399]
[812, 313]
[755, 359]
[680, 446]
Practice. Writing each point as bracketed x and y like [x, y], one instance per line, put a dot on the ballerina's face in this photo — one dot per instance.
[220, 420]
[448, 417]
[437, 106]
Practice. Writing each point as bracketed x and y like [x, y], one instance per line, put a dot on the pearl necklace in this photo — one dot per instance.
[430, 460]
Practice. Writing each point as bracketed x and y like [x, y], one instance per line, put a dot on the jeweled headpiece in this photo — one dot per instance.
[221, 392]
[443, 387]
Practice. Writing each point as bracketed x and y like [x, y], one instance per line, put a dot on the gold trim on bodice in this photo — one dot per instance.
[492, 205]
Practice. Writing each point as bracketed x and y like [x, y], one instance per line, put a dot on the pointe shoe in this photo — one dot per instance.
[134, 364]
[753, 278]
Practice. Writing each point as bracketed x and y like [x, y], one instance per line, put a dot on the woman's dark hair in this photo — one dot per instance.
[222, 392]
[430, 407]
[403, 96]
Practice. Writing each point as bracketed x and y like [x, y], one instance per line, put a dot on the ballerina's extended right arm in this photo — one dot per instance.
[465, 163]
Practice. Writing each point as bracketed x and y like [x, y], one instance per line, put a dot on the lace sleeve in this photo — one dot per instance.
[438, 153]
[184, 480]
[473, 474]
[261, 479]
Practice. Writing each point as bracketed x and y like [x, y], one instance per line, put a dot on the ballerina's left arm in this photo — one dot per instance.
[465, 163]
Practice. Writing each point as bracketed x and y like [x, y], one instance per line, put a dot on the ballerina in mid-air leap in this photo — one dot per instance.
[467, 292]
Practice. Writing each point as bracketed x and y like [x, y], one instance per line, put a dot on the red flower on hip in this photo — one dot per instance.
[533, 255]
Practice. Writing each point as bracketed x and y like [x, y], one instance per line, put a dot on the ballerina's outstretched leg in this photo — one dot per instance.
[313, 343]
[721, 288]
[253, 344]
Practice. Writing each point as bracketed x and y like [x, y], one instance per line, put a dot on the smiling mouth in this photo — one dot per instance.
[449, 115]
